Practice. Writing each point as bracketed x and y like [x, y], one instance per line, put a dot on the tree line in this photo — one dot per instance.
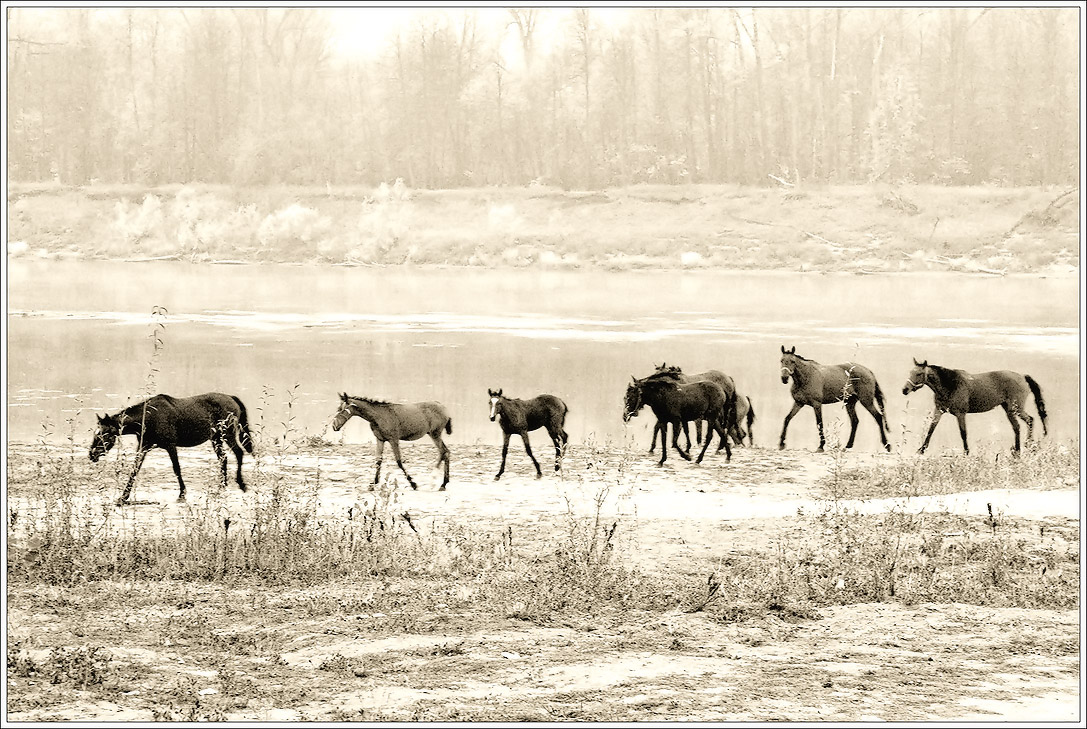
[252, 96]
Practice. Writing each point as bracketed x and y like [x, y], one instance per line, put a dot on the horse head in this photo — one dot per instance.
[788, 363]
[496, 399]
[632, 401]
[344, 413]
[109, 427]
[917, 378]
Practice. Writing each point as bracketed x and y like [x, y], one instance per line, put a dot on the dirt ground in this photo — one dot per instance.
[194, 652]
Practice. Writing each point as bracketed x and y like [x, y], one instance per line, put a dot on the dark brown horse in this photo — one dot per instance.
[817, 385]
[394, 422]
[959, 392]
[745, 409]
[677, 402]
[522, 416]
[169, 422]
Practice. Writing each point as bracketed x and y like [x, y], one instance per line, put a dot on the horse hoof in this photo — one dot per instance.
[539, 476]
[442, 488]
[122, 502]
[413, 486]
[498, 477]
[781, 446]
[180, 500]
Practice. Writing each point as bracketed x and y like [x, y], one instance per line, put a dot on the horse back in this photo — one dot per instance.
[725, 382]
[181, 421]
[987, 390]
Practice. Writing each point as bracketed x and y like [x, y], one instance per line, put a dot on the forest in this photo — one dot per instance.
[577, 98]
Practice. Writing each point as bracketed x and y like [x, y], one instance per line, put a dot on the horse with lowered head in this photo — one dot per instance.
[394, 422]
[676, 402]
[960, 392]
[170, 422]
[522, 416]
[817, 384]
[745, 409]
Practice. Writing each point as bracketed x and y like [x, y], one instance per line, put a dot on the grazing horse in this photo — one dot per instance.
[169, 422]
[394, 422]
[522, 416]
[960, 393]
[677, 402]
[817, 385]
[745, 409]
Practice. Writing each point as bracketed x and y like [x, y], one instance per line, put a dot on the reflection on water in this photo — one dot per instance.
[79, 341]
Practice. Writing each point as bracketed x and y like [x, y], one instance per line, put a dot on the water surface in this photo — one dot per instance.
[79, 341]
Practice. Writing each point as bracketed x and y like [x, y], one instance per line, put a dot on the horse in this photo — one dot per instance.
[170, 422]
[960, 392]
[394, 422]
[677, 402]
[745, 409]
[817, 385]
[522, 416]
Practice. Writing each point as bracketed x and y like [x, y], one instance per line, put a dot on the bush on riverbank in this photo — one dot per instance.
[876, 228]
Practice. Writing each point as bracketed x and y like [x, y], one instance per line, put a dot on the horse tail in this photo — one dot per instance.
[750, 420]
[244, 438]
[882, 405]
[449, 426]
[1038, 401]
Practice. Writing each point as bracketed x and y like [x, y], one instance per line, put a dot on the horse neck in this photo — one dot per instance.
[804, 370]
[943, 382]
[133, 419]
[365, 409]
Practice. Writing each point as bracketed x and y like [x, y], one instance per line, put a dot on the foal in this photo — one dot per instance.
[394, 422]
[522, 416]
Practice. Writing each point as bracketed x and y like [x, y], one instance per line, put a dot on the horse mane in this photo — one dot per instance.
[949, 379]
[802, 358]
[671, 374]
[370, 400]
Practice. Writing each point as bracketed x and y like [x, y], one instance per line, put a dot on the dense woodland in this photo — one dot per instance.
[259, 96]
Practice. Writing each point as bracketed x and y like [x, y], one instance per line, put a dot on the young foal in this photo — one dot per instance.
[169, 422]
[960, 392]
[394, 422]
[817, 385]
[522, 416]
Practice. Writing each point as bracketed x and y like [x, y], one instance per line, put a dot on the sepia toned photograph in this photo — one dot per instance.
[543, 363]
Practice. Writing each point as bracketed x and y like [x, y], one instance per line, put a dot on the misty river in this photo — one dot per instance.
[287, 339]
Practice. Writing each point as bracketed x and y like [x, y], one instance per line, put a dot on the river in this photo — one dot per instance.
[287, 339]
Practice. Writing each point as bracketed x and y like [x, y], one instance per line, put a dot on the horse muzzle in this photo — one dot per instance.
[493, 417]
[627, 415]
[785, 379]
[94, 456]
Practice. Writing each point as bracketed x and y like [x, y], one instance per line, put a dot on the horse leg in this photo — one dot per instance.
[1009, 410]
[528, 450]
[785, 426]
[140, 455]
[851, 410]
[653, 443]
[380, 451]
[443, 456]
[697, 433]
[400, 462]
[1026, 418]
[818, 408]
[961, 417]
[556, 438]
[177, 470]
[238, 452]
[936, 415]
[662, 425]
[675, 440]
[217, 444]
[505, 450]
[880, 420]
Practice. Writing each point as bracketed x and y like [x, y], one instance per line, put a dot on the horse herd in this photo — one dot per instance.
[675, 398]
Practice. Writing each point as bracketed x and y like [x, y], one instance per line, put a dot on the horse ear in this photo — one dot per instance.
[916, 363]
[499, 393]
[783, 349]
[925, 363]
[100, 418]
[792, 350]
